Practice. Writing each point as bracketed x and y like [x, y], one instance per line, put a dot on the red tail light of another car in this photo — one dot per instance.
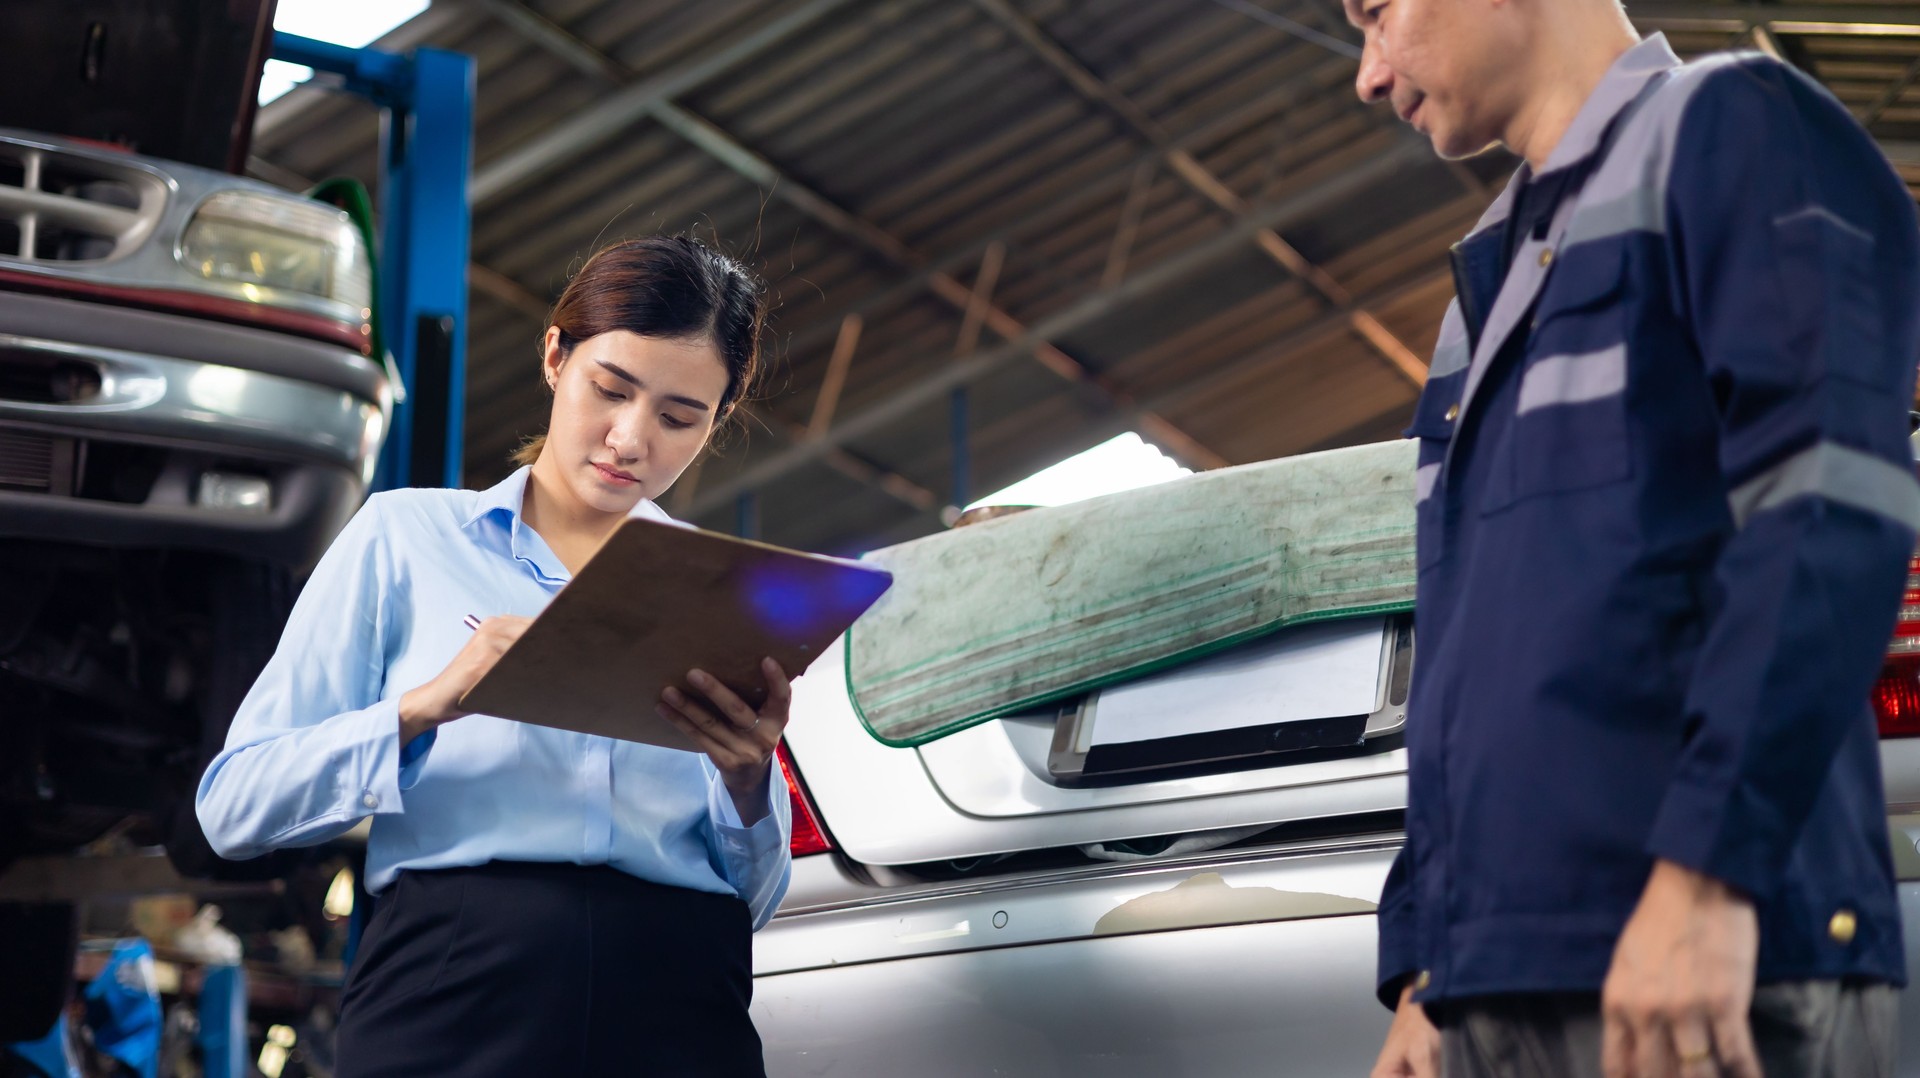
[1896, 696]
[808, 836]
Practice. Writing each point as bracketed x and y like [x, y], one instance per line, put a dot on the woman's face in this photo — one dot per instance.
[629, 414]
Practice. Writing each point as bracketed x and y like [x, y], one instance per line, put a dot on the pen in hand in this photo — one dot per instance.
[470, 622]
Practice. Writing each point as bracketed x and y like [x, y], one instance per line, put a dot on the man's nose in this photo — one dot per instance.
[1375, 79]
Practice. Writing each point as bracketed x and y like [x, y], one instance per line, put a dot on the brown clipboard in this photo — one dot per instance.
[657, 600]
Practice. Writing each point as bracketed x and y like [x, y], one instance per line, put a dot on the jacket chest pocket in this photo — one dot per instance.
[1569, 422]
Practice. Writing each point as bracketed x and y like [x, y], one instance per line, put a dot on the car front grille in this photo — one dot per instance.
[28, 459]
[57, 206]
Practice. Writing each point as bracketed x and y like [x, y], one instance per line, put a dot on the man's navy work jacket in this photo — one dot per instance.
[1666, 508]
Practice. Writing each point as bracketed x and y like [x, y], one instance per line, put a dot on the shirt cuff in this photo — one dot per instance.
[370, 784]
[413, 756]
[763, 835]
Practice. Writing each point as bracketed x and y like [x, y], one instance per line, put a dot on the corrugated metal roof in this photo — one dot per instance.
[1116, 157]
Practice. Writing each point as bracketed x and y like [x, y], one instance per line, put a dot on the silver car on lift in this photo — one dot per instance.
[189, 411]
[993, 903]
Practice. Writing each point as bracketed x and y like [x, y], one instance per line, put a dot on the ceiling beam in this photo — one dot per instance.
[949, 289]
[1203, 182]
[710, 139]
[1197, 259]
[506, 290]
[1304, 336]
[1856, 20]
[616, 112]
[1289, 92]
[1903, 154]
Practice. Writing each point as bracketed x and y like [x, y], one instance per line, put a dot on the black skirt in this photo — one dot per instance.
[517, 969]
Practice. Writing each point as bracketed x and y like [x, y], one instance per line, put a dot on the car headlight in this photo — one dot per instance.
[256, 239]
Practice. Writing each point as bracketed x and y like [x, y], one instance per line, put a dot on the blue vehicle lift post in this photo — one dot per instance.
[426, 159]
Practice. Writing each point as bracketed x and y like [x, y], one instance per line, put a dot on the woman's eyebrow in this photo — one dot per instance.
[691, 402]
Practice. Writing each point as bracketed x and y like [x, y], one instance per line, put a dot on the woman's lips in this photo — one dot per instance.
[612, 476]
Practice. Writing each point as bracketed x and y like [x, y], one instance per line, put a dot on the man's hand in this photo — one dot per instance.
[1676, 999]
[1413, 1045]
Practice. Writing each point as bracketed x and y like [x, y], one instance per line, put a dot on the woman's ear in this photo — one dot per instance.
[551, 357]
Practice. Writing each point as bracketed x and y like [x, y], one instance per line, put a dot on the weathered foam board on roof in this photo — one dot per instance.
[1019, 611]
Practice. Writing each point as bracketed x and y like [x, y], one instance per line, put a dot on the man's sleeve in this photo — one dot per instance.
[1793, 258]
[1398, 962]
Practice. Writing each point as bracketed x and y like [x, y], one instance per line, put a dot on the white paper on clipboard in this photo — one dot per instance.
[1320, 671]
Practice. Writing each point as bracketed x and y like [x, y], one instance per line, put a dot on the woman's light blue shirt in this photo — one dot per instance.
[315, 748]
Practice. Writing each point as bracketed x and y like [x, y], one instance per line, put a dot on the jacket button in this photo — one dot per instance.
[1842, 927]
[370, 801]
[1453, 413]
[1421, 982]
[1546, 257]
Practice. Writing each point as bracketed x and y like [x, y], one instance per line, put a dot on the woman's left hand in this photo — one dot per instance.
[739, 740]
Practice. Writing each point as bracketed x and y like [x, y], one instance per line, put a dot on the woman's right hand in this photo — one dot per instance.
[438, 701]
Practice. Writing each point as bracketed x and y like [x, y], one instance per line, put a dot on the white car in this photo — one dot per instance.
[975, 905]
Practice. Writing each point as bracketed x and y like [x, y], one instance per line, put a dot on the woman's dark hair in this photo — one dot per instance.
[670, 287]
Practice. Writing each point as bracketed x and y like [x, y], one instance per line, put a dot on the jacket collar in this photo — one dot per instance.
[1524, 278]
[1617, 89]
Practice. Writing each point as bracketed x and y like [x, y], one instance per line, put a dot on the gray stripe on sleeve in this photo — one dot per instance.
[1837, 473]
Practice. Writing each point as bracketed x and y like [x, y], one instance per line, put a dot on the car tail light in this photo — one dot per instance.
[808, 836]
[1896, 696]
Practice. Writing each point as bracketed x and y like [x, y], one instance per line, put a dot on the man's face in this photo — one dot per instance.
[1439, 63]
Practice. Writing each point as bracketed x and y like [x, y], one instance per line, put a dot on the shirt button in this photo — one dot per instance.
[1842, 927]
[1453, 413]
[370, 801]
[1546, 257]
[1421, 982]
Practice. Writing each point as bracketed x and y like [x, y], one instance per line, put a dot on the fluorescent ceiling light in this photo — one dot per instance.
[1122, 463]
[353, 23]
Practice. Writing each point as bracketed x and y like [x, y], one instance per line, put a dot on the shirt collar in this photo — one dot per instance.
[506, 498]
[503, 502]
[1618, 87]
